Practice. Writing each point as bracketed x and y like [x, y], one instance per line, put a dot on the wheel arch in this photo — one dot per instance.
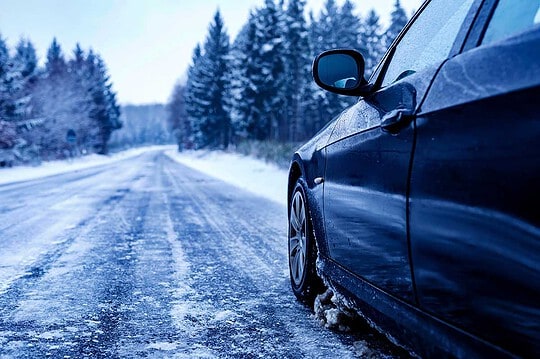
[299, 171]
[295, 172]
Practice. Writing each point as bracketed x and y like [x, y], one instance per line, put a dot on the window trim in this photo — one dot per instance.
[476, 34]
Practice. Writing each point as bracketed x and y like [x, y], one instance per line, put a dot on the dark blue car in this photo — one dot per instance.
[421, 202]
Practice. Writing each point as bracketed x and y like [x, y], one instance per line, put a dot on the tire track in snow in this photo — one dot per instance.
[241, 271]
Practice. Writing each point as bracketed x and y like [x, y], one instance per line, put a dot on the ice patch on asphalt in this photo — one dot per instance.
[226, 315]
[52, 334]
[165, 346]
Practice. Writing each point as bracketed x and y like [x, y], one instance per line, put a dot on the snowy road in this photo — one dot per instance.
[148, 258]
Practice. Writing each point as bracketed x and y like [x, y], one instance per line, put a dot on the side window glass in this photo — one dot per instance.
[512, 17]
[429, 39]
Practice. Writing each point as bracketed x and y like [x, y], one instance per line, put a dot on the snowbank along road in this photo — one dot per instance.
[148, 258]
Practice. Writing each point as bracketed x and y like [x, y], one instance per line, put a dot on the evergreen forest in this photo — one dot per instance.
[64, 109]
[258, 87]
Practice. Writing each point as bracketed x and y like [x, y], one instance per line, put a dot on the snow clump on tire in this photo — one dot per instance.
[330, 315]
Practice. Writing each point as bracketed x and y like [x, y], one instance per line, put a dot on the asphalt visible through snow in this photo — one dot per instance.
[148, 258]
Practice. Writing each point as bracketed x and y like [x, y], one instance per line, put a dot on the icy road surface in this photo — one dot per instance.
[146, 257]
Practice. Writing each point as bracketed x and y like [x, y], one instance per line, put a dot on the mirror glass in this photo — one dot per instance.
[338, 70]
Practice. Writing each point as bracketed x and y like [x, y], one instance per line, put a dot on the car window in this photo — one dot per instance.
[512, 17]
[429, 39]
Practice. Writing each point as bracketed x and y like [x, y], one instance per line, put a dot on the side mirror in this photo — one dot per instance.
[342, 72]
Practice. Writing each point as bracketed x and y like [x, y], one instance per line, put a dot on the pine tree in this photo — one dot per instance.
[52, 101]
[373, 38]
[210, 121]
[56, 64]
[296, 69]
[270, 51]
[8, 132]
[329, 27]
[177, 116]
[23, 76]
[44, 105]
[257, 75]
[349, 27]
[244, 81]
[194, 90]
[104, 108]
[398, 20]
[80, 83]
[5, 83]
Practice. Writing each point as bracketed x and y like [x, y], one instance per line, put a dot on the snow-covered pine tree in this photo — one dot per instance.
[104, 109]
[375, 45]
[16, 75]
[257, 75]
[194, 91]
[269, 37]
[297, 69]
[8, 133]
[177, 116]
[55, 66]
[211, 127]
[52, 102]
[81, 83]
[245, 80]
[25, 75]
[349, 27]
[329, 27]
[5, 83]
[398, 20]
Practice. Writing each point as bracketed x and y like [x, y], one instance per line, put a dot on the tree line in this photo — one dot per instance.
[62, 109]
[142, 125]
[259, 87]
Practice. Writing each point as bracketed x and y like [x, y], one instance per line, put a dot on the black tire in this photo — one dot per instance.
[305, 282]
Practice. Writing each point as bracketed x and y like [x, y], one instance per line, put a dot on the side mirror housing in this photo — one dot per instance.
[341, 71]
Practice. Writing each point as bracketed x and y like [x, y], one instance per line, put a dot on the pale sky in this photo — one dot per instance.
[146, 44]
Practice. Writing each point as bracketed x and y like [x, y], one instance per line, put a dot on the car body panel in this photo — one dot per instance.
[404, 324]
[475, 222]
[366, 184]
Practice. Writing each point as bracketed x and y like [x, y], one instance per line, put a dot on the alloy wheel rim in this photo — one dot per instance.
[297, 238]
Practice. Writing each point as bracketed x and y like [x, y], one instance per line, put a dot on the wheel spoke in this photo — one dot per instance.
[303, 246]
[301, 263]
[294, 267]
[302, 217]
[295, 223]
[298, 208]
[294, 245]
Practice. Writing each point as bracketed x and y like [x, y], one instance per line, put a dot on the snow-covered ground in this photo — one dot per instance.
[254, 175]
[25, 173]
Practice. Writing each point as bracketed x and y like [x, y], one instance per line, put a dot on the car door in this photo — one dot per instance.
[474, 210]
[369, 153]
